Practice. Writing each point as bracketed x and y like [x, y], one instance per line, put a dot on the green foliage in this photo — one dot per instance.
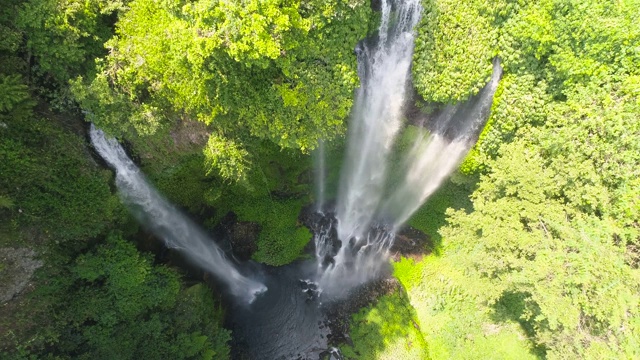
[273, 196]
[432, 215]
[518, 105]
[186, 185]
[226, 157]
[578, 293]
[11, 39]
[453, 321]
[258, 31]
[554, 227]
[10, 36]
[173, 160]
[551, 242]
[113, 303]
[454, 49]
[292, 86]
[46, 174]
[5, 202]
[386, 330]
[12, 92]
[281, 239]
[66, 36]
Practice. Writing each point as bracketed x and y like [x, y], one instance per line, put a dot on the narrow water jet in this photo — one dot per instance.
[168, 223]
[320, 175]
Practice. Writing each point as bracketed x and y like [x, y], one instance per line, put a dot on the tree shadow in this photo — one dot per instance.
[387, 327]
[511, 306]
[432, 215]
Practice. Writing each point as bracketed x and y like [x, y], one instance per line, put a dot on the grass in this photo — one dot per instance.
[439, 314]
[432, 215]
[453, 323]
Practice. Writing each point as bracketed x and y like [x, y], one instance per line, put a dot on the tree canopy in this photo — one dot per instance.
[551, 240]
[114, 303]
[279, 70]
[220, 103]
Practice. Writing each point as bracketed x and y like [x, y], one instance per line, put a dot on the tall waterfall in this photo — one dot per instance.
[376, 119]
[167, 222]
[352, 247]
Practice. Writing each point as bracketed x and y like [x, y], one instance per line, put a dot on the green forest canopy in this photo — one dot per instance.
[545, 255]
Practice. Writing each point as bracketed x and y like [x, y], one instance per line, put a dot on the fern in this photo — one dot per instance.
[12, 91]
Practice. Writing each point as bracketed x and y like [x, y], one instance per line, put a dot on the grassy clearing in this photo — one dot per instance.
[453, 323]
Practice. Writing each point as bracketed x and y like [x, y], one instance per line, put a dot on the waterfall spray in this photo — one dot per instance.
[436, 154]
[168, 223]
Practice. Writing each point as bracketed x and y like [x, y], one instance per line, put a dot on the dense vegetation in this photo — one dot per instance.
[536, 241]
[548, 249]
[277, 70]
[218, 102]
[112, 302]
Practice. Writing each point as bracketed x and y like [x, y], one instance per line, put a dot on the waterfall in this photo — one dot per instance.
[353, 245]
[320, 175]
[167, 222]
[383, 68]
[384, 72]
[436, 154]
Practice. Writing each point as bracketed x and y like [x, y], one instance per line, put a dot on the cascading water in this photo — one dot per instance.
[436, 153]
[384, 72]
[376, 119]
[352, 247]
[320, 175]
[352, 241]
[166, 222]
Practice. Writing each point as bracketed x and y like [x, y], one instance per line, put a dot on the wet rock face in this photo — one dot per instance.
[242, 235]
[410, 243]
[314, 220]
[17, 266]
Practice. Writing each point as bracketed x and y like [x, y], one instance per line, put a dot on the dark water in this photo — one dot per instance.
[286, 322]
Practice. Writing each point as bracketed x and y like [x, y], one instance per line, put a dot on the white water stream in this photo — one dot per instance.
[168, 223]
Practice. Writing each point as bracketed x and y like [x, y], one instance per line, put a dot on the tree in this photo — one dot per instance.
[455, 46]
[113, 303]
[56, 191]
[12, 92]
[66, 36]
[553, 235]
[278, 70]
